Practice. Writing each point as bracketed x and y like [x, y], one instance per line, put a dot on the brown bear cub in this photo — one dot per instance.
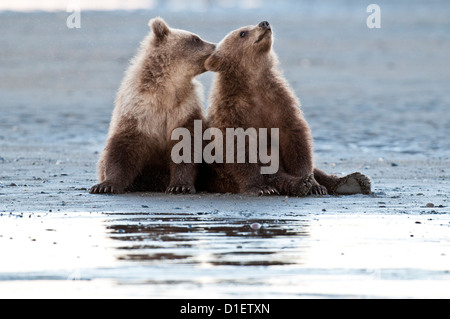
[250, 92]
[157, 95]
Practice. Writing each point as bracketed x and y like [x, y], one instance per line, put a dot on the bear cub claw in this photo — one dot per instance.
[181, 189]
[106, 188]
[318, 190]
[262, 190]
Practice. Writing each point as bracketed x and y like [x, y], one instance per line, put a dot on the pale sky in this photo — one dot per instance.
[63, 5]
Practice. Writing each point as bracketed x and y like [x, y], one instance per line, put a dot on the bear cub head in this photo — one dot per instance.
[173, 52]
[244, 49]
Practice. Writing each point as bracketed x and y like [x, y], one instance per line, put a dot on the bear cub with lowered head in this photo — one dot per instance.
[157, 95]
[250, 92]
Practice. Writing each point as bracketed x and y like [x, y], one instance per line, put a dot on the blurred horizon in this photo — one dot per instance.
[107, 5]
[316, 7]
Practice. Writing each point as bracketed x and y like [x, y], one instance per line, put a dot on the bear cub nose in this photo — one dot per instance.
[264, 25]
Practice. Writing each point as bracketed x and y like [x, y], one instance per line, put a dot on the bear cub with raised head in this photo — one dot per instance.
[157, 95]
[250, 92]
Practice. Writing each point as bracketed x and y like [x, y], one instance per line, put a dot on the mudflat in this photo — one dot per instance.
[377, 101]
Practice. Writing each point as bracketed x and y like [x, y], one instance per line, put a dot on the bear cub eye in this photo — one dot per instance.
[196, 40]
[243, 34]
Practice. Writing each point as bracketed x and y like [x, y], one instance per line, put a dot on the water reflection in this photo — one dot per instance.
[203, 239]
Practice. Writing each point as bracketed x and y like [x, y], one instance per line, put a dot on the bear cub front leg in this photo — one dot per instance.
[182, 178]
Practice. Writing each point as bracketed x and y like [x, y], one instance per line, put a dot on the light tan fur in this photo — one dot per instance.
[158, 94]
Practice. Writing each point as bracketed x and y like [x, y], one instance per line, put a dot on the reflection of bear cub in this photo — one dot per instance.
[249, 91]
[157, 95]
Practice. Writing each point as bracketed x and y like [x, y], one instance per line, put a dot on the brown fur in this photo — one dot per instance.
[157, 95]
[249, 91]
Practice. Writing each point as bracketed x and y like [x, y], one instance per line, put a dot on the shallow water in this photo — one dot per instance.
[220, 255]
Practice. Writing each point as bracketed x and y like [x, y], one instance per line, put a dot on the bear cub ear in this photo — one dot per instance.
[159, 28]
[214, 63]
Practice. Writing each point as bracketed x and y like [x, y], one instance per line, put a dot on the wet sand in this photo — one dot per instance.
[377, 102]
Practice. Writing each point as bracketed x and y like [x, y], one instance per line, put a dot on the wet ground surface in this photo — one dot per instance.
[225, 255]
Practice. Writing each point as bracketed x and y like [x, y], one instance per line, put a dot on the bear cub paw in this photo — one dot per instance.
[299, 186]
[303, 186]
